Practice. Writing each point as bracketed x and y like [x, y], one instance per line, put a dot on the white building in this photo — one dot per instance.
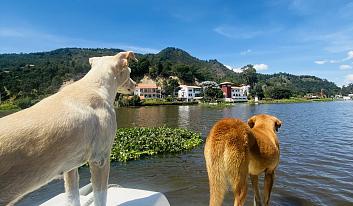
[190, 93]
[240, 94]
[148, 91]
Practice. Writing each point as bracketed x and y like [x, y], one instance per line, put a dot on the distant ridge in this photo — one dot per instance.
[39, 74]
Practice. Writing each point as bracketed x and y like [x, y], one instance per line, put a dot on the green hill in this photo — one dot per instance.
[36, 75]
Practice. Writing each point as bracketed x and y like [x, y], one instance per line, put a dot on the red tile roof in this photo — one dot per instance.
[146, 86]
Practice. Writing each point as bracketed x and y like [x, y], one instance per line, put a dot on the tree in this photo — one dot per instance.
[258, 91]
[213, 93]
[184, 72]
[207, 84]
[347, 89]
[170, 86]
[140, 68]
[249, 75]
[135, 101]
[281, 93]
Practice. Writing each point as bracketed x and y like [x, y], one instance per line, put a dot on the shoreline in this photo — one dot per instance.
[251, 102]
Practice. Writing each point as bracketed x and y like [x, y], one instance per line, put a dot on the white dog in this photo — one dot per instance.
[64, 131]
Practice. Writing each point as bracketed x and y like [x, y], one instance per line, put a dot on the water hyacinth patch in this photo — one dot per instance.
[133, 143]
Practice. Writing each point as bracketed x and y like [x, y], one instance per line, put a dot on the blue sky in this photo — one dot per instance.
[312, 37]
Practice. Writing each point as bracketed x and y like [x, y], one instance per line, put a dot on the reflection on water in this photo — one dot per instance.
[316, 154]
[183, 116]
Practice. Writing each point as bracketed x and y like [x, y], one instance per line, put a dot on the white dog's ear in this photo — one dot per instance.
[251, 122]
[123, 58]
[92, 60]
[129, 55]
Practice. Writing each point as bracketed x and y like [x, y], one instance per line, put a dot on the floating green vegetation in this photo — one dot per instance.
[134, 143]
[8, 106]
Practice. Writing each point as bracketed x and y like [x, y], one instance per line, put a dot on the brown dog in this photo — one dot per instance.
[227, 159]
[264, 155]
[233, 150]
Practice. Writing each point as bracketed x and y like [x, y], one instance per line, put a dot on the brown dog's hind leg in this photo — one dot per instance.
[269, 179]
[71, 179]
[255, 187]
[238, 176]
[217, 183]
[240, 188]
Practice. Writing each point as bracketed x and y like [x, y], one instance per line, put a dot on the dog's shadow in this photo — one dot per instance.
[155, 199]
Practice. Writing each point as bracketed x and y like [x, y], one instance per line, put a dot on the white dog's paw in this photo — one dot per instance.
[72, 201]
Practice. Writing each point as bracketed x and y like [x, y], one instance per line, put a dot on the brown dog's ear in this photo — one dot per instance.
[251, 122]
[278, 124]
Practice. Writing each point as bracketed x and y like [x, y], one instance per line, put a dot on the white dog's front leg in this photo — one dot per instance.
[71, 179]
[99, 179]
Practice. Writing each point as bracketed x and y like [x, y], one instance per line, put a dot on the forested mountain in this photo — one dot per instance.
[176, 62]
[36, 75]
[297, 85]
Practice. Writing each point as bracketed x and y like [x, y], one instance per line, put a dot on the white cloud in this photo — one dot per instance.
[245, 52]
[349, 78]
[320, 62]
[349, 56]
[346, 10]
[235, 69]
[137, 49]
[345, 67]
[6, 32]
[234, 32]
[301, 7]
[339, 40]
[14, 40]
[334, 61]
[261, 67]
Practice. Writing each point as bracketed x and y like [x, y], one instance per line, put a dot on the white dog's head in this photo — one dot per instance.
[121, 71]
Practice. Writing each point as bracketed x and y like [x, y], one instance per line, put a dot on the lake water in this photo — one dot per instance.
[316, 166]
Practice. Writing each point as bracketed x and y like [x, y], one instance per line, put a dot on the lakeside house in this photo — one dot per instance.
[349, 97]
[148, 91]
[190, 93]
[233, 93]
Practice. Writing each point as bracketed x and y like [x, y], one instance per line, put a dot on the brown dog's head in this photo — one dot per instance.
[118, 64]
[265, 119]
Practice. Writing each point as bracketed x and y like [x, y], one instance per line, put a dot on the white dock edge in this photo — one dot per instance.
[116, 196]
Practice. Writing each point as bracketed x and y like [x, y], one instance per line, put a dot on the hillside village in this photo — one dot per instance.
[231, 93]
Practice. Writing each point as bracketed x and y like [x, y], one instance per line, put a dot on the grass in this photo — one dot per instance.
[217, 104]
[291, 100]
[155, 102]
[134, 143]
